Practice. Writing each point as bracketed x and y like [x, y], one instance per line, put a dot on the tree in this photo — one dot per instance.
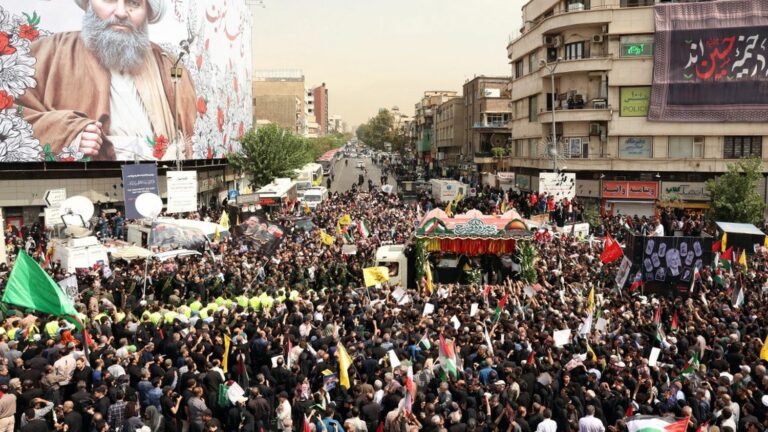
[320, 145]
[381, 130]
[733, 194]
[270, 152]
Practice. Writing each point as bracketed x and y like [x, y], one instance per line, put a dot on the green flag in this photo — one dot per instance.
[30, 286]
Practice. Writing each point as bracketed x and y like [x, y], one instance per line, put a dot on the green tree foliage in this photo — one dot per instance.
[270, 152]
[381, 130]
[733, 194]
[322, 144]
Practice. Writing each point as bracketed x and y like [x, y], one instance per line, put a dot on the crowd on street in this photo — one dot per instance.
[247, 341]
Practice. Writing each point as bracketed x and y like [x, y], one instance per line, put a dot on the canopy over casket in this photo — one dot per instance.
[472, 233]
[129, 253]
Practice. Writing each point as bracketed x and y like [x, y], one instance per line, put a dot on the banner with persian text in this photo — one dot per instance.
[711, 62]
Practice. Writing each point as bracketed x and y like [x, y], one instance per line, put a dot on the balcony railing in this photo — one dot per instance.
[491, 125]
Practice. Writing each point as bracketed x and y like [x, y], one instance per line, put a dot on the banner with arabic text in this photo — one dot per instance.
[711, 62]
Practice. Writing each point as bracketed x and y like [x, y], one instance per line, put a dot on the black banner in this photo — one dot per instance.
[669, 260]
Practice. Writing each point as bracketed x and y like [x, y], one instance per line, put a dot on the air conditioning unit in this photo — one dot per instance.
[548, 40]
[595, 129]
[557, 41]
[597, 38]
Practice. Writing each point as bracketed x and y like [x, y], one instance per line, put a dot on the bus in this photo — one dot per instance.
[327, 160]
[308, 176]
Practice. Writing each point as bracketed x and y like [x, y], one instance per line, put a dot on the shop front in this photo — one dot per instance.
[629, 198]
[691, 196]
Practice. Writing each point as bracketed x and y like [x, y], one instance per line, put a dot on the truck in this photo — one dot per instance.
[314, 196]
[445, 190]
[174, 233]
[401, 262]
[76, 248]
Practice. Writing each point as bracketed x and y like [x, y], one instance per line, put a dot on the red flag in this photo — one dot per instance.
[703, 427]
[637, 283]
[611, 250]
[305, 426]
[728, 254]
[531, 357]
[630, 410]
[678, 426]
[657, 316]
[674, 321]
[716, 246]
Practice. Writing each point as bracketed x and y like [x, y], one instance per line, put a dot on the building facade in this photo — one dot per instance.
[449, 132]
[424, 122]
[279, 97]
[487, 114]
[321, 108]
[601, 56]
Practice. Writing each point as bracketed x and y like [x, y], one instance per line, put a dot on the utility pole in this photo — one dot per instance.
[551, 68]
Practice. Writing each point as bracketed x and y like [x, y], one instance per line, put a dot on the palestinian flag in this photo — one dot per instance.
[726, 258]
[424, 341]
[637, 283]
[695, 278]
[656, 424]
[448, 356]
[347, 236]
[362, 228]
[692, 365]
[500, 308]
[718, 279]
[737, 298]
[486, 293]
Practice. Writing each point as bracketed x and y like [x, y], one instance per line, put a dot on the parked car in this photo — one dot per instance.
[361, 164]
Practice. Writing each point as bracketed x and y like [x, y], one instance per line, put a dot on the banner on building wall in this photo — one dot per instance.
[47, 115]
[182, 191]
[637, 190]
[559, 185]
[138, 179]
[710, 62]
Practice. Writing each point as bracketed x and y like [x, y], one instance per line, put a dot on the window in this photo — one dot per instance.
[533, 148]
[577, 147]
[533, 62]
[551, 54]
[737, 147]
[497, 119]
[533, 108]
[686, 147]
[518, 69]
[635, 147]
[637, 3]
[519, 148]
[574, 51]
[636, 46]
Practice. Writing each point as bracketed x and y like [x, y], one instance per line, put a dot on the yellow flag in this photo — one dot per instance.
[459, 197]
[743, 260]
[306, 208]
[224, 220]
[764, 350]
[238, 218]
[345, 220]
[765, 242]
[448, 210]
[344, 363]
[503, 206]
[216, 234]
[225, 360]
[591, 300]
[592, 353]
[723, 241]
[326, 238]
[338, 228]
[375, 275]
[428, 276]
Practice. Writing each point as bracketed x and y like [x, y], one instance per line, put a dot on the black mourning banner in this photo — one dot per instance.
[669, 260]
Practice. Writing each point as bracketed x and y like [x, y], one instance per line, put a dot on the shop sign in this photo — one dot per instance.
[641, 190]
[683, 191]
[635, 101]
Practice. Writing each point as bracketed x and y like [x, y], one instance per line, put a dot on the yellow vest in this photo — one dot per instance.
[255, 303]
[195, 306]
[169, 317]
[185, 310]
[155, 317]
[52, 328]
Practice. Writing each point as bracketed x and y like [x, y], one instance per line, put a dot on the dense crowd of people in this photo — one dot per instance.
[252, 341]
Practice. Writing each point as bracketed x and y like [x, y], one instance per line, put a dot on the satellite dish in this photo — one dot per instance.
[76, 210]
[149, 205]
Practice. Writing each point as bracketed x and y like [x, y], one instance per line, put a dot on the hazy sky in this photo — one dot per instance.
[373, 53]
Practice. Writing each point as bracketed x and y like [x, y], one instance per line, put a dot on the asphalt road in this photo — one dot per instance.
[346, 175]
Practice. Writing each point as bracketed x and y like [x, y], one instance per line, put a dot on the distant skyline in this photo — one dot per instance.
[375, 55]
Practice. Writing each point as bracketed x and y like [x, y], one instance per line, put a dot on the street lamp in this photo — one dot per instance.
[551, 68]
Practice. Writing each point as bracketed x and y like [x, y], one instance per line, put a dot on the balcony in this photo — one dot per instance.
[575, 107]
[595, 62]
[491, 125]
[484, 158]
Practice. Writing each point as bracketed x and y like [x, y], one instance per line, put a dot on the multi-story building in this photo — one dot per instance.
[587, 67]
[486, 121]
[321, 107]
[279, 97]
[449, 132]
[336, 124]
[424, 120]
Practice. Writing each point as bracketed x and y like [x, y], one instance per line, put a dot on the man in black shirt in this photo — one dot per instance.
[34, 424]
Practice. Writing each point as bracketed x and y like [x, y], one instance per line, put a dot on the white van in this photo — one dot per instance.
[314, 196]
[78, 252]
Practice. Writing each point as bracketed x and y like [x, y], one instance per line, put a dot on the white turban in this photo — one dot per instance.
[156, 9]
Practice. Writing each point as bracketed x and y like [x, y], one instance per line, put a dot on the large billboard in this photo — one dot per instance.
[711, 62]
[100, 80]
